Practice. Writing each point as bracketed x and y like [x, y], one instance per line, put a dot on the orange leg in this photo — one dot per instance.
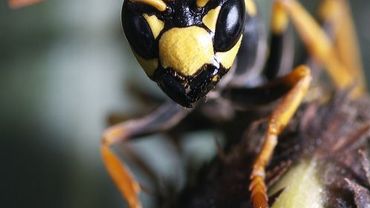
[320, 46]
[15, 4]
[337, 19]
[300, 79]
[164, 118]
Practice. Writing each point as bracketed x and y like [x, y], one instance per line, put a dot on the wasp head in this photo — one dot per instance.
[185, 46]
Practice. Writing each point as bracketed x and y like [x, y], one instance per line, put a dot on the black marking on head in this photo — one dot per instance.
[188, 90]
[182, 13]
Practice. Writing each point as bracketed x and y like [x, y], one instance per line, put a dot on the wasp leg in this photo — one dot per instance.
[319, 45]
[280, 117]
[255, 97]
[336, 19]
[280, 60]
[162, 119]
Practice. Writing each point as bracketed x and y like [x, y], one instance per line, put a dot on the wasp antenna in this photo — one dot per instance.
[158, 4]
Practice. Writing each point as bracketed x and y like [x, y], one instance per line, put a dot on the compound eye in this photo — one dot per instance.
[229, 25]
[138, 34]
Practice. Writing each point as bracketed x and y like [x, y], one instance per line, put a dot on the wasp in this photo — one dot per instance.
[203, 52]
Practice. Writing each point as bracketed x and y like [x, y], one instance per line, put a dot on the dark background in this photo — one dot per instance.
[63, 68]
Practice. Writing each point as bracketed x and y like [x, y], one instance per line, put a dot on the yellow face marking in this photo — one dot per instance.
[210, 19]
[216, 78]
[155, 24]
[186, 50]
[251, 7]
[227, 58]
[158, 4]
[202, 3]
[149, 65]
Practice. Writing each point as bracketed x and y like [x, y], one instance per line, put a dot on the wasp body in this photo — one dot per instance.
[189, 48]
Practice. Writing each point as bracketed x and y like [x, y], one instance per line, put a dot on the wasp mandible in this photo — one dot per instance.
[204, 51]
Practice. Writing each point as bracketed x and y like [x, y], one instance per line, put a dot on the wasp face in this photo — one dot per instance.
[185, 46]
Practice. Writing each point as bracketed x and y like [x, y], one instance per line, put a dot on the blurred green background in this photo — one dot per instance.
[63, 68]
